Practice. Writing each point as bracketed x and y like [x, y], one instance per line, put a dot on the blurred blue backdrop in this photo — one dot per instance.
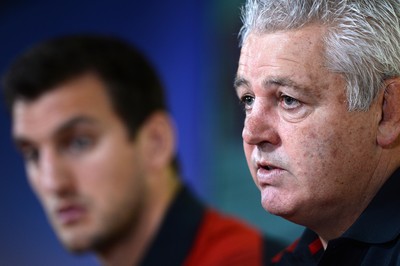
[193, 45]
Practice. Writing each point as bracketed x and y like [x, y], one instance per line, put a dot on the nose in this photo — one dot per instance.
[52, 175]
[260, 126]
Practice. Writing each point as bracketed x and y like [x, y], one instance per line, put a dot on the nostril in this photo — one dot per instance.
[260, 134]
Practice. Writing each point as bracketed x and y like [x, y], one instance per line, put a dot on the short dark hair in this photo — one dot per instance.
[130, 81]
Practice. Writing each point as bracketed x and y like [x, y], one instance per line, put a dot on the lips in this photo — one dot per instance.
[70, 214]
[268, 174]
[267, 166]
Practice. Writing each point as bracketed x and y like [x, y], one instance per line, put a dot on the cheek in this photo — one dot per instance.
[35, 183]
[331, 153]
[116, 182]
[248, 151]
[106, 172]
[314, 151]
[109, 172]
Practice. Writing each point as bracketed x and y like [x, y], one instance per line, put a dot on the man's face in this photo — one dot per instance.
[81, 163]
[308, 155]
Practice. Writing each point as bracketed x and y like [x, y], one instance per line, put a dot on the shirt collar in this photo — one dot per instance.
[177, 232]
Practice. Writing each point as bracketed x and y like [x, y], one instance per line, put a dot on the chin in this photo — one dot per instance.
[281, 212]
[276, 206]
[76, 246]
[74, 242]
[77, 250]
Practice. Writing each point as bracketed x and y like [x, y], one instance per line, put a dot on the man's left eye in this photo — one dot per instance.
[79, 144]
[289, 102]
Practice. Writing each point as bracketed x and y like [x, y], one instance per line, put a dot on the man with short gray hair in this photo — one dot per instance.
[320, 86]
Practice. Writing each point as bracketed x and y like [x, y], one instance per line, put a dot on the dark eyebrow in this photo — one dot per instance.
[68, 125]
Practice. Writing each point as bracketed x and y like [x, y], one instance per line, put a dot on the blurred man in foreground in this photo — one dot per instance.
[90, 120]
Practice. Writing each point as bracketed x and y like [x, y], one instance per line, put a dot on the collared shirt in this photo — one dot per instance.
[374, 239]
[192, 234]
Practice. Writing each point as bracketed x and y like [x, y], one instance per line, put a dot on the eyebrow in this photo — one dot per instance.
[73, 122]
[68, 125]
[240, 82]
[284, 82]
[271, 81]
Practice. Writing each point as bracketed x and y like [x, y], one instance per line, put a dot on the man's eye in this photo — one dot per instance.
[30, 154]
[289, 102]
[247, 101]
[79, 144]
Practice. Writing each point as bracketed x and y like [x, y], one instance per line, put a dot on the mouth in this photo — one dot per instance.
[70, 214]
[268, 174]
[267, 166]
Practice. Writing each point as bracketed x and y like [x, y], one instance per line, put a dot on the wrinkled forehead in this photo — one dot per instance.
[300, 45]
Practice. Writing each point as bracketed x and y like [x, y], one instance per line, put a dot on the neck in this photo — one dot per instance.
[131, 249]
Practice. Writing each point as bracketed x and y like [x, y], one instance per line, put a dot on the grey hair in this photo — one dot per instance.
[362, 41]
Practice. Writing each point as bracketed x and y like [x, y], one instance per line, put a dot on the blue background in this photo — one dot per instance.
[193, 45]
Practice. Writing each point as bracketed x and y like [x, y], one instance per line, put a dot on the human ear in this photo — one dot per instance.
[158, 136]
[389, 126]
